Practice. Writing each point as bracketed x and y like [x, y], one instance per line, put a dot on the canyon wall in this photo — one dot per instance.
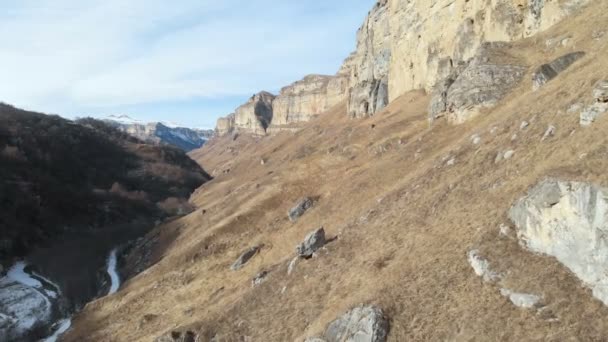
[255, 115]
[414, 44]
[405, 45]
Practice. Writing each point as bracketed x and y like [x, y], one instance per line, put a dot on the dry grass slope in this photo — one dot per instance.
[404, 221]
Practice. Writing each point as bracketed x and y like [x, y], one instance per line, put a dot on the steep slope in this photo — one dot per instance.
[184, 138]
[403, 205]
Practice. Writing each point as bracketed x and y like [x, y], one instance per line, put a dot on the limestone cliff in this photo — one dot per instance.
[255, 115]
[414, 44]
[307, 98]
[224, 125]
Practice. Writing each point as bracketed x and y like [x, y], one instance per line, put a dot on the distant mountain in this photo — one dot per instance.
[169, 133]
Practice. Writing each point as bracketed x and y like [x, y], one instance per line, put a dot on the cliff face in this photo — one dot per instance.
[224, 125]
[405, 45]
[307, 98]
[255, 115]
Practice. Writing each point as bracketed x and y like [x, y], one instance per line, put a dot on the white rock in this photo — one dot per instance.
[475, 139]
[522, 300]
[524, 125]
[509, 154]
[569, 221]
[482, 267]
[549, 132]
[292, 265]
[591, 113]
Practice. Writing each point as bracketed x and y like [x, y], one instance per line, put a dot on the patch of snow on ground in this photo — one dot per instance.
[18, 274]
[64, 325]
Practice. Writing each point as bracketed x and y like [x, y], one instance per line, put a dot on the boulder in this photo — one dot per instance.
[568, 220]
[522, 300]
[300, 208]
[361, 324]
[549, 132]
[259, 278]
[549, 71]
[591, 113]
[482, 267]
[600, 93]
[244, 258]
[311, 243]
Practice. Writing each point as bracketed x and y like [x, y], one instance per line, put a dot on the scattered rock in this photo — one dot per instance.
[475, 139]
[575, 107]
[569, 221]
[178, 336]
[591, 113]
[549, 132]
[503, 156]
[600, 93]
[300, 208]
[509, 154]
[505, 230]
[547, 72]
[262, 161]
[522, 300]
[292, 265]
[524, 125]
[361, 324]
[514, 137]
[244, 258]
[311, 243]
[259, 278]
[451, 162]
[482, 267]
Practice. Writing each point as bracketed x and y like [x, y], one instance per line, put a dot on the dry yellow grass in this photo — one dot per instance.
[404, 221]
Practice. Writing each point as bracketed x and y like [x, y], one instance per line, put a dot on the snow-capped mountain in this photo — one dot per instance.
[170, 133]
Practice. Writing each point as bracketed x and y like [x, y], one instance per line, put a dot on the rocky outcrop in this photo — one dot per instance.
[481, 267]
[568, 220]
[549, 71]
[307, 98]
[300, 208]
[256, 115]
[483, 82]
[311, 243]
[224, 125]
[244, 258]
[416, 44]
[361, 324]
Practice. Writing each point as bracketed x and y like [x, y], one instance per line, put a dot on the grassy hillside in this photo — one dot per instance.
[58, 177]
[405, 201]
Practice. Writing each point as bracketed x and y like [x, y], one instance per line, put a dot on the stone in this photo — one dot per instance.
[509, 154]
[524, 125]
[549, 133]
[292, 265]
[482, 267]
[600, 92]
[178, 336]
[522, 300]
[301, 207]
[591, 113]
[244, 258]
[475, 139]
[568, 220]
[488, 78]
[259, 278]
[311, 243]
[549, 71]
[361, 324]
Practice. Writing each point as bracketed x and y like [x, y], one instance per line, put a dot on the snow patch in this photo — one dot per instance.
[115, 279]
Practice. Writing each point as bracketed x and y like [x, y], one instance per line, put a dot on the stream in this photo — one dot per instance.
[49, 290]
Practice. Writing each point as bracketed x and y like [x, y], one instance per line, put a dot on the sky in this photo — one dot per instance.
[183, 61]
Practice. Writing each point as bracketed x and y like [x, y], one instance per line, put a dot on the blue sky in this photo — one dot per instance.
[186, 61]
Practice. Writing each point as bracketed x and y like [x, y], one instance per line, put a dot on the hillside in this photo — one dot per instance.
[418, 203]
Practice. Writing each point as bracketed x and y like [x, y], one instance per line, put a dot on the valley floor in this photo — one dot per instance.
[405, 202]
